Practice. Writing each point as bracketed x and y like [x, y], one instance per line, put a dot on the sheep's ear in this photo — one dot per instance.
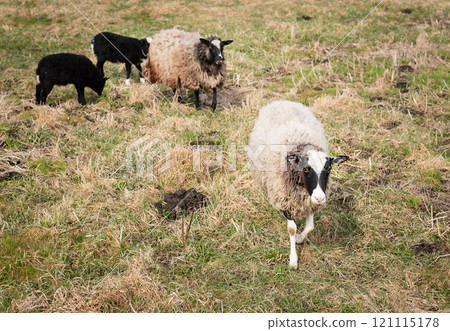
[227, 42]
[339, 159]
[293, 159]
[204, 41]
[105, 78]
[298, 161]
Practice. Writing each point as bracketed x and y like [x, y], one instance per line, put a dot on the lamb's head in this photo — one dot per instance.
[311, 170]
[98, 84]
[144, 44]
[212, 49]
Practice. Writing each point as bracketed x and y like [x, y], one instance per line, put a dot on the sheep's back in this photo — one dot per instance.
[288, 123]
[65, 68]
[169, 49]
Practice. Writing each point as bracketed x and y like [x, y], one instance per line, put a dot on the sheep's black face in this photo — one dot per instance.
[312, 171]
[145, 44]
[99, 85]
[215, 46]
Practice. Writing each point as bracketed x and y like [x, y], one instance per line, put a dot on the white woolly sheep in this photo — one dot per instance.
[181, 59]
[289, 159]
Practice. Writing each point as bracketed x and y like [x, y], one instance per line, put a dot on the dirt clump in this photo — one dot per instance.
[10, 167]
[429, 248]
[405, 68]
[180, 203]
[201, 140]
[390, 124]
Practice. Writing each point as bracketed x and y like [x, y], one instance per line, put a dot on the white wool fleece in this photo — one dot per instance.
[288, 123]
[280, 127]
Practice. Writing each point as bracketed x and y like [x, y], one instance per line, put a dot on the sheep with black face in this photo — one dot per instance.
[181, 59]
[108, 46]
[289, 159]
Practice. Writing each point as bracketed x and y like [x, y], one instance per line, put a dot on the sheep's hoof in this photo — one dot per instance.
[293, 265]
[142, 80]
[299, 238]
[127, 82]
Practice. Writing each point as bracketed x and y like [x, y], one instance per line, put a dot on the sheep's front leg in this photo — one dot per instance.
[80, 91]
[299, 238]
[100, 64]
[214, 100]
[292, 229]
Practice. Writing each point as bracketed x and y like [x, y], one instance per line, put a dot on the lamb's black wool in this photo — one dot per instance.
[66, 68]
[108, 46]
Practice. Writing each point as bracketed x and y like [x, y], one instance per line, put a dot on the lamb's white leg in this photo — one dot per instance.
[299, 238]
[292, 229]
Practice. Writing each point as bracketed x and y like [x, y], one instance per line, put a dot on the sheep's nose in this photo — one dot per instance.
[318, 200]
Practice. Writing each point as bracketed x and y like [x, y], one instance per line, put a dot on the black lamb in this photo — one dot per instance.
[66, 68]
[108, 46]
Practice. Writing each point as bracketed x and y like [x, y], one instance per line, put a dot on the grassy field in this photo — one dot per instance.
[80, 233]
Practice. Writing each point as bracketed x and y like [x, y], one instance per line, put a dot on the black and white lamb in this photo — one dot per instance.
[181, 59]
[289, 159]
[108, 46]
[66, 68]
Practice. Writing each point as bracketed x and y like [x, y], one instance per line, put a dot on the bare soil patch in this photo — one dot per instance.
[390, 124]
[208, 138]
[405, 68]
[430, 248]
[180, 203]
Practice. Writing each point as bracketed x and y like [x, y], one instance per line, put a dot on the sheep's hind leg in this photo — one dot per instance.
[292, 229]
[38, 93]
[128, 67]
[197, 99]
[177, 96]
[214, 100]
[299, 238]
[45, 91]
[141, 77]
